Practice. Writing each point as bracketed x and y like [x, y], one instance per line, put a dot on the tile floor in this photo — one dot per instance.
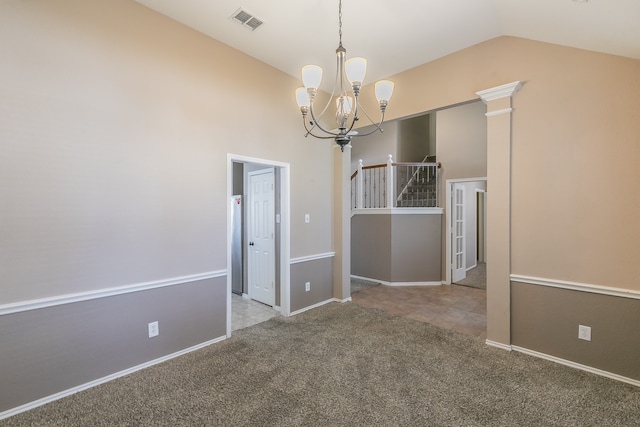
[246, 312]
[460, 308]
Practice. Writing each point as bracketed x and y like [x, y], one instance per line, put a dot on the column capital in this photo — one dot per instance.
[498, 92]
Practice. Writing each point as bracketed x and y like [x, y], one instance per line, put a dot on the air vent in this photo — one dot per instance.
[246, 19]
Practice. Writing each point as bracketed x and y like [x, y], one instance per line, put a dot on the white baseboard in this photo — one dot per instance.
[577, 366]
[302, 310]
[73, 390]
[411, 283]
[383, 282]
[499, 345]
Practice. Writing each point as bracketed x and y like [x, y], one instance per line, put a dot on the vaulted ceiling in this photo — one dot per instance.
[396, 35]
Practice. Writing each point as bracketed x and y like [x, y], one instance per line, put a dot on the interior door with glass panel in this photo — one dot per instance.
[458, 263]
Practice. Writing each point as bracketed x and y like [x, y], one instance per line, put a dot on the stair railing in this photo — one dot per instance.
[412, 179]
[419, 188]
[373, 186]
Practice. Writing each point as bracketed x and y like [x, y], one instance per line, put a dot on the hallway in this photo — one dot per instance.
[246, 312]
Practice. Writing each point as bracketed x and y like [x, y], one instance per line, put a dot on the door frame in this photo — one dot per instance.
[285, 229]
[448, 192]
[481, 225]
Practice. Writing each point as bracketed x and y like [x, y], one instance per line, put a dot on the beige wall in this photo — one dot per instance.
[575, 149]
[375, 149]
[461, 141]
[115, 126]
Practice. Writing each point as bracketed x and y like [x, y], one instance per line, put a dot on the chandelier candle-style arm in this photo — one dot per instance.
[346, 95]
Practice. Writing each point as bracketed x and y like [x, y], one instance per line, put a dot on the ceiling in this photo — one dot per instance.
[396, 35]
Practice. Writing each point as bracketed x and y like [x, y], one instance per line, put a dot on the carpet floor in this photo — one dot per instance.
[348, 365]
[476, 277]
[358, 285]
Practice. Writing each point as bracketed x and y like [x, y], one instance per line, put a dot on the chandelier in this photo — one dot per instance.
[346, 96]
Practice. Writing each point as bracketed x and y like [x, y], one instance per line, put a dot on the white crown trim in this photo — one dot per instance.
[498, 92]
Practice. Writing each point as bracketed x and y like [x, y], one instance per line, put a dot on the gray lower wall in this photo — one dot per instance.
[416, 254]
[546, 319]
[49, 350]
[371, 246]
[397, 248]
[320, 273]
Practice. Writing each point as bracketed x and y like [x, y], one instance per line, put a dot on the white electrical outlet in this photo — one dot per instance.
[307, 286]
[584, 332]
[307, 218]
[154, 331]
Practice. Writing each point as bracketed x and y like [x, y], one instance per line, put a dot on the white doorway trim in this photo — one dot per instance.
[285, 230]
[449, 190]
[481, 220]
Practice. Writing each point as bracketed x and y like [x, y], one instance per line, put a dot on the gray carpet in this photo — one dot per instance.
[358, 285]
[346, 365]
[476, 277]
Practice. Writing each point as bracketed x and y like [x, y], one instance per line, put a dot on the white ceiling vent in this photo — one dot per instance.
[246, 19]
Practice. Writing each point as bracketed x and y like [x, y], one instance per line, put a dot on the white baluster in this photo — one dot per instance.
[359, 186]
[389, 202]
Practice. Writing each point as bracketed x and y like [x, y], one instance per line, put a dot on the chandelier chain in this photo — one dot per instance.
[340, 21]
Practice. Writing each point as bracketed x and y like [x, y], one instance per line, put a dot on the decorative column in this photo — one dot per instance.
[498, 256]
[342, 223]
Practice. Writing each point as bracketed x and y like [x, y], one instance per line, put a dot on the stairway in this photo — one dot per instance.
[419, 190]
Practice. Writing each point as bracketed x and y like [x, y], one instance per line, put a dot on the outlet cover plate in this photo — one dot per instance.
[154, 331]
[307, 286]
[584, 332]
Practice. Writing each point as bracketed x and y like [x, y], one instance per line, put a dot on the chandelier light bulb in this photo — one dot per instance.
[384, 90]
[311, 76]
[356, 69]
[302, 97]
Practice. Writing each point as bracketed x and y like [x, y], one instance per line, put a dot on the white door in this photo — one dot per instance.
[261, 245]
[458, 266]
